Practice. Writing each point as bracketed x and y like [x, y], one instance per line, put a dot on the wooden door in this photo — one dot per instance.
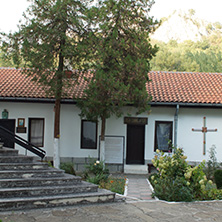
[9, 124]
[135, 144]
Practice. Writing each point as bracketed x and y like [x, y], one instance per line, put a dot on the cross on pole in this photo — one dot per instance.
[204, 130]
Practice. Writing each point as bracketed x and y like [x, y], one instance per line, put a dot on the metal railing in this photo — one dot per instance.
[22, 142]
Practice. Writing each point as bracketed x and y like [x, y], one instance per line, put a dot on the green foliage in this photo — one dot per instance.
[218, 178]
[49, 41]
[50, 164]
[122, 52]
[178, 181]
[212, 165]
[116, 185]
[189, 56]
[4, 61]
[68, 168]
[95, 172]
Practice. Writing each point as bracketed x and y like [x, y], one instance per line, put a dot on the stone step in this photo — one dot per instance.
[36, 182]
[8, 152]
[21, 192]
[16, 159]
[23, 166]
[11, 204]
[42, 173]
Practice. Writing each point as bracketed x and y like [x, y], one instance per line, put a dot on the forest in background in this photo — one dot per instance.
[189, 56]
[187, 43]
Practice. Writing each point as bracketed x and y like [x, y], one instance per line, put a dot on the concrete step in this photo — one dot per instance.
[23, 166]
[26, 183]
[42, 173]
[135, 169]
[47, 191]
[36, 182]
[16, 159]
[8, 152]
[11, 204]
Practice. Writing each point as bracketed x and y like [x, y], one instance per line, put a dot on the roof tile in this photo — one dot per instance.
[169, 87]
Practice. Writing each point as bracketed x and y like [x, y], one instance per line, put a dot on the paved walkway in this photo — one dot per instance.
[138, 188]
[139, 207]
[138, 211]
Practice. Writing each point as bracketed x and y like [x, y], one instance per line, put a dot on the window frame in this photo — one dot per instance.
[170, 137]
[82, 138]
[43, 131]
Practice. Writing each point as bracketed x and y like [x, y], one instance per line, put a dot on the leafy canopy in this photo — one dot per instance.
[122, 58]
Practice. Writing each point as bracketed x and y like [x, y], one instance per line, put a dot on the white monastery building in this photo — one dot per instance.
[186, 108]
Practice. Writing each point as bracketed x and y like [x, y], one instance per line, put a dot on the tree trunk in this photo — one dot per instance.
[59, 85]
[56, 158]
[102, 142]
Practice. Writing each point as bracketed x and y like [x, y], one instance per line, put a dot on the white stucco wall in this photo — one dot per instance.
[71, 134]
[32, 110]
[191, 142]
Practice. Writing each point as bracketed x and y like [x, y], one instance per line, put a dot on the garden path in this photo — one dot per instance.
[138, 188]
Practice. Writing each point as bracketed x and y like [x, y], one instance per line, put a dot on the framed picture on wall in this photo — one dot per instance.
[21, 122]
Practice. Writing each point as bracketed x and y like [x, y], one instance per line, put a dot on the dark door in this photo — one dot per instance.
[9, 124]
[135, 144]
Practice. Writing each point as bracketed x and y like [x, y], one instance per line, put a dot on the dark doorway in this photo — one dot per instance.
[9, 124]
[135, 144]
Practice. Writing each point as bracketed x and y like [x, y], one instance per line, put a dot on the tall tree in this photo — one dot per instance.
[48, 43]
[123, 52]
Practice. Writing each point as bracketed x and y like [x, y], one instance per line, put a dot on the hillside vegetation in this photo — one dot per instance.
[200, 51]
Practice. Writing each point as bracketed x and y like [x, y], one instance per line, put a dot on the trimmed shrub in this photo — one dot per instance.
[218, 178]
[68, 168]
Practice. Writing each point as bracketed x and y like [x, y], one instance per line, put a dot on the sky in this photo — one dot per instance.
[11, 10]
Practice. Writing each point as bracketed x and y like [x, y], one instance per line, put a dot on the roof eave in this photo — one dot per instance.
[72, 101]
[185, 104]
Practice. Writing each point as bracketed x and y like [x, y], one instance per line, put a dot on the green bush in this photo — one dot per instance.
[96, 172]
[176, 180]
[218, 178]
[212, 165]
[68, 168]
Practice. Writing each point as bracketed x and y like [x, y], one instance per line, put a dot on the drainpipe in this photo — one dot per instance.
[176, 125]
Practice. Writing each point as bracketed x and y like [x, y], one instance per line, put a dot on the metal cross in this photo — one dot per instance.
[204, 130]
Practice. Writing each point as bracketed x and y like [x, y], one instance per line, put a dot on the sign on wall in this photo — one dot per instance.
[114, 149]
[135, 120]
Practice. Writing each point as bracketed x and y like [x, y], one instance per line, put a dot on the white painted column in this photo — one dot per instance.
[56, 156]
[102, 151]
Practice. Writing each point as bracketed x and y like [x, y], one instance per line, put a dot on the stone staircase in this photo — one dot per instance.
[26, 183]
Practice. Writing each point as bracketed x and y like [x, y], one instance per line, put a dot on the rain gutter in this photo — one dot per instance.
[176, 125]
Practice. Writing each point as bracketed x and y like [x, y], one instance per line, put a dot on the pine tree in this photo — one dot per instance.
[122, 60]
[48, 44]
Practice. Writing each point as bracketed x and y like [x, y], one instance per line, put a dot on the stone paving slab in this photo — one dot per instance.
[140, 211]
[138, 188]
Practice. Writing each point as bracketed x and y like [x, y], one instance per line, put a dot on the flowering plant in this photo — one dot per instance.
[176, 180]
[96, 172]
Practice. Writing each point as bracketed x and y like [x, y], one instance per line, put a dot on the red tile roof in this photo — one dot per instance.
[165, 87]
[185, 87]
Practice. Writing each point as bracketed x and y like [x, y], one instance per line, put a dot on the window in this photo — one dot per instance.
[89, 135]
[163, 134]
[36, 131]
